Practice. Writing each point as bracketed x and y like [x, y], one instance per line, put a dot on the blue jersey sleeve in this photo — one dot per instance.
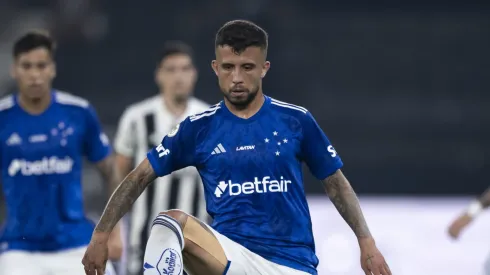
[176, 151]
[96, 144]
[317, 151]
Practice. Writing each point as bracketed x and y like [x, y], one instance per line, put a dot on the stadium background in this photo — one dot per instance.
[401, 90]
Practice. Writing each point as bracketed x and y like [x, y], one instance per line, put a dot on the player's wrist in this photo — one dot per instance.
[100, 237]
[366, 241]
[474, 209]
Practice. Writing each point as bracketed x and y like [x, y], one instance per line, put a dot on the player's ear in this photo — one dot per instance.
[265, 68]
[214, 65]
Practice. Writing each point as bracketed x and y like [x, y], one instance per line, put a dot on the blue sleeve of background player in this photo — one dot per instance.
[176, 151]
[317, 151]
[96, 145]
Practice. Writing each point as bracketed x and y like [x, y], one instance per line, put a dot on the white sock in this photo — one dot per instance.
[163, 254]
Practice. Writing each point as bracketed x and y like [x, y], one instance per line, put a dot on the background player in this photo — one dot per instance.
[463, 220]
[140, 129]
[248, 150]
[44, 135]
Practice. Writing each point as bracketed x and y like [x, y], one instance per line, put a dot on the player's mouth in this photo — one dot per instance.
[35, 87]
[238, 92]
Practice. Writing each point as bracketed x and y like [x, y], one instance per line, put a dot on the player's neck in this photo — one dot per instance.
[35, 106]
[248, 111]
[175, 107]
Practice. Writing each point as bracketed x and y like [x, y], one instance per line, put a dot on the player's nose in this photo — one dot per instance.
[237, 77]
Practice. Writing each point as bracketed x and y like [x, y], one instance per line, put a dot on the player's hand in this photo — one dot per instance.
[458, 225]
[95, 257]
[372, 261]
[115, 244]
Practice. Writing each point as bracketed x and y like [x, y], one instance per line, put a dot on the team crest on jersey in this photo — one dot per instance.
[174, 131]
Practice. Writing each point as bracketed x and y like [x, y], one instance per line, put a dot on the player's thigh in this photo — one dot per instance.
[202, 252]
[208, 252]
[240, 260]
[69, 262]
[19, 262]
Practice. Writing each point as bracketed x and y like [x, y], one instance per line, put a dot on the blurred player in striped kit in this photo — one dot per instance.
[44, 136]
[140, 129]
[463, 220]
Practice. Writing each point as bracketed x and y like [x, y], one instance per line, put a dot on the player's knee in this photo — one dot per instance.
[178, 215]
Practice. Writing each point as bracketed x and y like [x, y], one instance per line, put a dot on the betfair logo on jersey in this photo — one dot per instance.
[45, 166]
[266, 185]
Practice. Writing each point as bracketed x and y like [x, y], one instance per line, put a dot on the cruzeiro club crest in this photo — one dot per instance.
[174, 131]
[170, 263]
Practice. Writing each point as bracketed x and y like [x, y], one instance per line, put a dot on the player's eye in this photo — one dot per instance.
[227, 66]
[248, 67]
[26, 66]
[169, 69]
[42, 66]
[187, 68]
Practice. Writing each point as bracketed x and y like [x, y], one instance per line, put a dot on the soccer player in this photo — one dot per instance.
[140, 129]
[463, 220]
[44, 135]
[248, 150]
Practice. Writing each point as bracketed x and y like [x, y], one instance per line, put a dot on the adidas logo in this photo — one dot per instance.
[218, 150]
[14, 139]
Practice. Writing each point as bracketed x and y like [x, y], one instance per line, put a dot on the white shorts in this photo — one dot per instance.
[244, 262]
[66, 262]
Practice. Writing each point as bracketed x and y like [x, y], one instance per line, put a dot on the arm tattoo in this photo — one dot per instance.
[345, 200]
[109, 172]
[485, 198]
[125, 195]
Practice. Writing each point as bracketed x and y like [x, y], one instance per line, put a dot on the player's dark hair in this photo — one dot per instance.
[31, 41]
[175, 47]
[241, 34]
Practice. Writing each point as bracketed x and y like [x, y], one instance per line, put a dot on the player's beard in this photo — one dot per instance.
[243, 99]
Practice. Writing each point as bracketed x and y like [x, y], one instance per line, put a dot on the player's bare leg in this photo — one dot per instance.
[202, 252]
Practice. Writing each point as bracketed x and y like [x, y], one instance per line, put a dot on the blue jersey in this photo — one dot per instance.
[251, 170]
[41, 164]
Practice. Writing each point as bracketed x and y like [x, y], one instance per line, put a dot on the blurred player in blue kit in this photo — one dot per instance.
[44, 136]
[249, 150]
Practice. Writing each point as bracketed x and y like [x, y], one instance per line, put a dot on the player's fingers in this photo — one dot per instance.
[383, 271]
[100, 270]
[366, 270]
[387, 268]
[375, 269]
[89, 269]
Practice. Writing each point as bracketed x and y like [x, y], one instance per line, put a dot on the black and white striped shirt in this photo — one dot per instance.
[141, 127]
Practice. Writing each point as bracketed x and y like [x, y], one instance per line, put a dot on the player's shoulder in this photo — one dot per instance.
[203, 118]
[288, 108]
[6, 107]
[7, 103]
[71, 101]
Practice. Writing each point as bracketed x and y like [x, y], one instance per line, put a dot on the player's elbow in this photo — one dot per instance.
[336, 183]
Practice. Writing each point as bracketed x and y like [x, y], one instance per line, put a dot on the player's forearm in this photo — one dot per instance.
[345, 200]
[125, 195]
